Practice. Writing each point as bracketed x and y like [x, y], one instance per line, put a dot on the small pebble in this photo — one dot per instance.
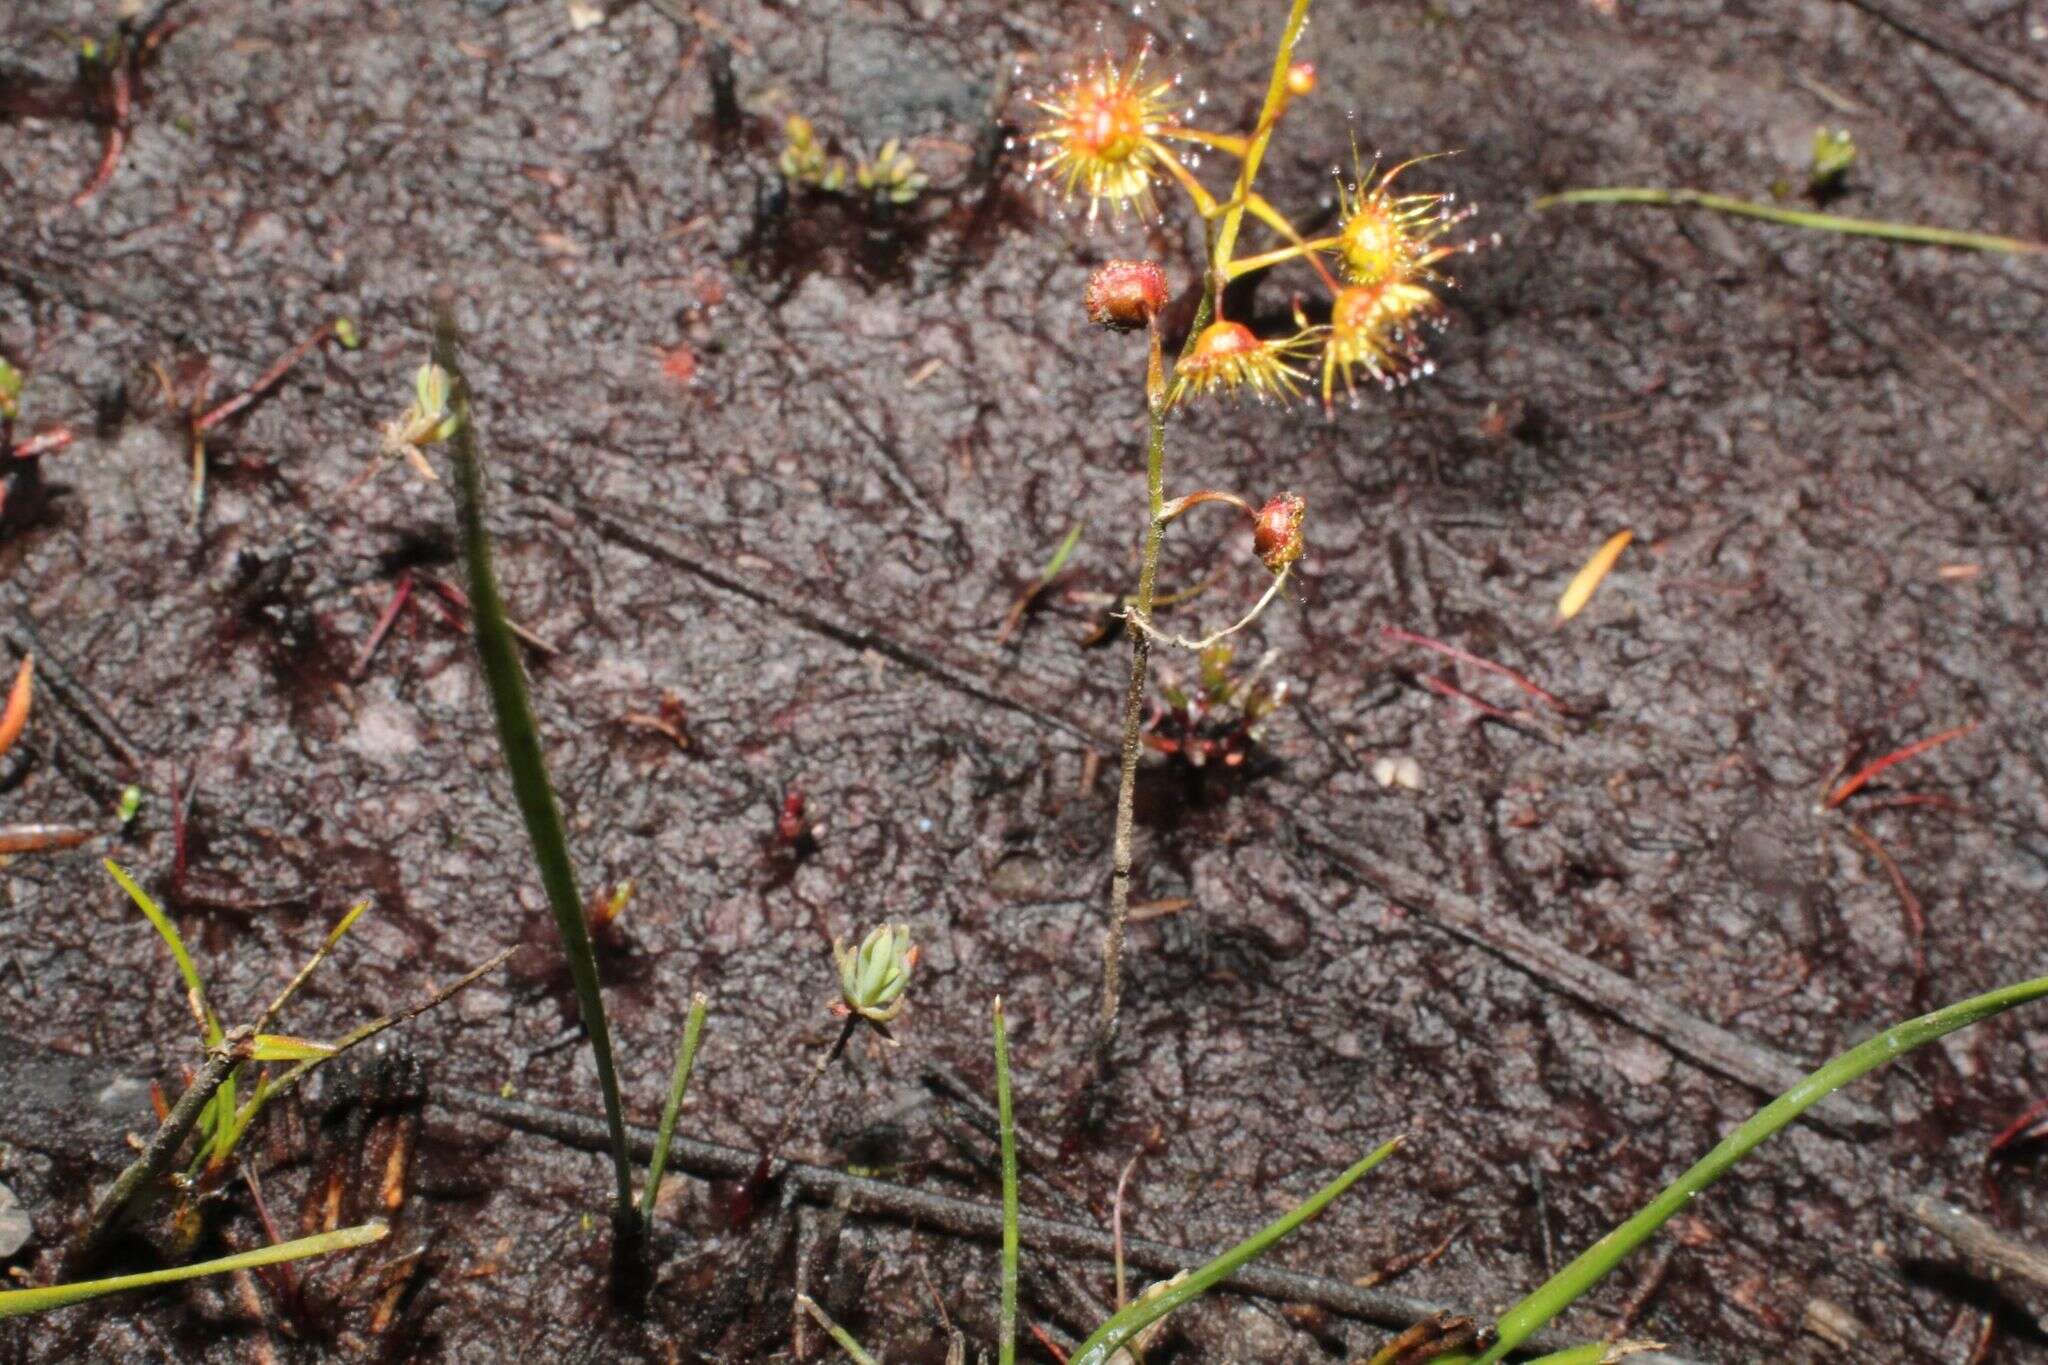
[1398, 772]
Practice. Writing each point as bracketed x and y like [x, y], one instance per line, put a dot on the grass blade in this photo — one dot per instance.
[678, 1085]
[519, 738]
[195, 990]
[1914, 233]
[1006, 1344]
[834, 1330]
[1098, 1349]
[14, 1302]
[1533, 1312]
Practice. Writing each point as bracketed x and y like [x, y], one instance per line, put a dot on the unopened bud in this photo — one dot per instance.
[1301, 78]
[1124, 295]
[1276, 534]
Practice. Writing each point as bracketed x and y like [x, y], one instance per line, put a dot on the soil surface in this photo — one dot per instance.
[792, 462]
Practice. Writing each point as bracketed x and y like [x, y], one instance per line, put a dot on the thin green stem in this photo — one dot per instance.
[678, 1085]
[834, 1330]
[1800, 218]
[1269, 118]
[14, 1302]
[1006, 1337]
[519, 738]
[1532, 1313]
[1112, 1335]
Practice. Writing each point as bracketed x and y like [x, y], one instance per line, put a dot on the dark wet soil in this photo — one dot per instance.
[792, 464]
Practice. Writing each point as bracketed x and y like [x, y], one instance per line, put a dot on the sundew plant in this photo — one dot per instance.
[1113, 143]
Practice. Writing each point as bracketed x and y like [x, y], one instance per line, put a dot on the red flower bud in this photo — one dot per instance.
[1124, 295]
[1276, 534]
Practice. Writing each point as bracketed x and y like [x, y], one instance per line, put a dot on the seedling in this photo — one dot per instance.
[1834, 152]
[873, 979]
[208, 1105]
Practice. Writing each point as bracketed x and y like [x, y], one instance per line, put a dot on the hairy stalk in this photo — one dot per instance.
[1800, 218]
[1140, 623]
[519, 738]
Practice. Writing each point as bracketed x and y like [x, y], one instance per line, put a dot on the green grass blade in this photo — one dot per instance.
[1914, 233]
[14, 1302]
[195, 989]
[678, 1085]
[1098, 1349]
[526, 763]
[834, 1330]
[1533, 1312]
[1062, 554]
[1006, 1344]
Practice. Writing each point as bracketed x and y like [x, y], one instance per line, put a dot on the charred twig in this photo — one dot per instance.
[1975, 1238]
[110, 1211]
[1483, 922]
[1639, 1298]
[64, 686]
[955, 1216]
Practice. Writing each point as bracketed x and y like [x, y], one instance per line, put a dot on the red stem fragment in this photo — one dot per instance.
[122, 102]
[1444, 688]
[44, 443]
[457, 598]
[1916, 917]
[400, 595]
[227, 408]
[1913, 750]
[1411, 638]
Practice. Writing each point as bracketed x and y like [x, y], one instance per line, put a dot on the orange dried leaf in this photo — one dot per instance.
[15, 717]
[1580, 590]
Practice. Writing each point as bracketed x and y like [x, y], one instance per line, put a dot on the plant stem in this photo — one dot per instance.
[834, 1330]
[14, 1302]
[1006, 1339]
[146, 1170]
[1518, 1323]
[1100, 1348]
[1134, 704]
[679, 1083]
[1801, 218]
[796, 1106]
[519, 738]
[1269, 118]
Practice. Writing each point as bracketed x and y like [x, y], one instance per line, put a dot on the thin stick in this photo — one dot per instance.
[1116, 1228]
[1976, 1238]
[956, 1217]
[110, 1210]
[1855, 784]
[526, 763]
[1800, 218]
[1006, 1320]
[42, 838]
[400, 595]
